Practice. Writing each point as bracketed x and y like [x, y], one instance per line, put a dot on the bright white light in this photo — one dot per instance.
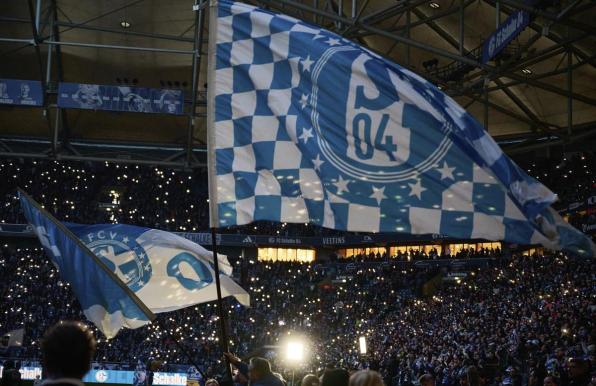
[362, 341]
[295, 351]
[434, 5]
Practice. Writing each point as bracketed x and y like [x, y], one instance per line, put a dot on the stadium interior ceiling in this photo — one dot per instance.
[538, 94]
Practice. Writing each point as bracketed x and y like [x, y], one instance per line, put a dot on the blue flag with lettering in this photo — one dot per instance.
[122, 274]
[166, 271]
[306, 126]
[106, 301]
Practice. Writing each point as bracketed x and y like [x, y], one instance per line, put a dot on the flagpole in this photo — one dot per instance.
[213, 212]
[220, 307]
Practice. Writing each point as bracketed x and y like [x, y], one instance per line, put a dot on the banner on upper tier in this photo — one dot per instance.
[120, 98]
[305, 126]
[504, 34]
[243, 240]
[21, 92]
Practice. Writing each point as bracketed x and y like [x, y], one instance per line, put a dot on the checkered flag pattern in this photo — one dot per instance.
[305, 126]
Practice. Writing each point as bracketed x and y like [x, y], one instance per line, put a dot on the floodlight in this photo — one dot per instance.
[295, 351]
[362, 341]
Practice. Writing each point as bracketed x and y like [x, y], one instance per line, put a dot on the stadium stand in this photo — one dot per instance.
[517, 321]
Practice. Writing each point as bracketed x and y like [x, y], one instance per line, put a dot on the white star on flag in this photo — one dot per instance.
[446, 171]
[341, 185]
[378, 194]
[304, 100]
[307, 63]
[318, 162]
[306, 134]
[333, 42]
[416, 189]
[125, 239]
[118, 260]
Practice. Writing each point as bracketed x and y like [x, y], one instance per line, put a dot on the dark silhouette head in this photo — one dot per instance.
[67, 349]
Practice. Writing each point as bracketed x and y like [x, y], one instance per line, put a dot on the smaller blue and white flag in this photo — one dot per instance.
[121, 272]
[304, 125]
[166, 271]
[106, 300]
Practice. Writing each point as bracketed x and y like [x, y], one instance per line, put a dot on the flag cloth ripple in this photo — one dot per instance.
[166, 271]
[306, 126]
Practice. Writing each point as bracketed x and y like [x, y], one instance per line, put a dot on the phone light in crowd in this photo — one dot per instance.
[362, 343]
[295, 351]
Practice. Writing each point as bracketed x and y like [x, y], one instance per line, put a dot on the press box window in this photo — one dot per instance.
[286, 254]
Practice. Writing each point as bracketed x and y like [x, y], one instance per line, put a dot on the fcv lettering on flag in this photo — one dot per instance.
[122, 253]
[379, 126]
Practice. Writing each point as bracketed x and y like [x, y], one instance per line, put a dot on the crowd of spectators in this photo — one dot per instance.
[173, 200]
[571, 176]
[177, 200]
[433, 254]
[517, 322]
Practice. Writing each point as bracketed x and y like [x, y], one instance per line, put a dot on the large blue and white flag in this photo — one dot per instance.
[306, 126]
[106, 300]
[120, 272]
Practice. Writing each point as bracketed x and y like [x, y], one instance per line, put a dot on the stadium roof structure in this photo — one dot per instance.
[540, 91]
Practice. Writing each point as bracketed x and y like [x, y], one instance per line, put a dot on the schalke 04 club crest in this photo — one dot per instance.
[123, 255]
[374, 141]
